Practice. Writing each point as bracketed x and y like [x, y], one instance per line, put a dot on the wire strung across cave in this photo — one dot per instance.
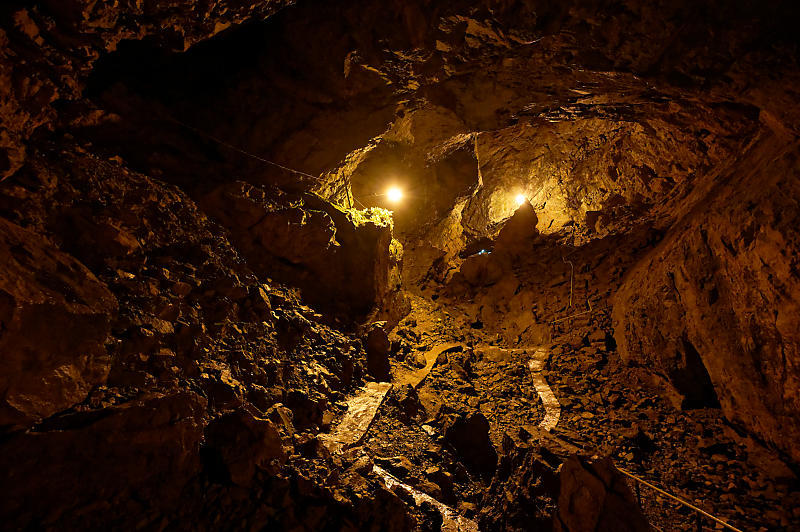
[349, 195]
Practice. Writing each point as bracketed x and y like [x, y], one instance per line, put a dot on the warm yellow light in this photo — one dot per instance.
[520, 199]
[394, 194]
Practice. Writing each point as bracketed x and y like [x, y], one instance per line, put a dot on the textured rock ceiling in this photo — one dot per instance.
[596, 116]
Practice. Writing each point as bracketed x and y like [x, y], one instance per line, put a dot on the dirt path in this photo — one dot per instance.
[451, 521]
[552, 408]
[361, 411]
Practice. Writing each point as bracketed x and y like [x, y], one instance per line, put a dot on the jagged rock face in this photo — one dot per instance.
[55, 318]
[343, 262]
[49, 49]
[720, 308]
[160, 363]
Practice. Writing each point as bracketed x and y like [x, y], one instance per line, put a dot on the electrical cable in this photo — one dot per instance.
[237, 149]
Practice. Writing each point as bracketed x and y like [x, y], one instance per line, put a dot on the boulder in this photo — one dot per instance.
[468, 434]
[595, 496]
[399, 466]
[378, 347]
[518, 233]
[242, 443]
[307, 409]
[408, 401]
[55, 318]
[523, 490]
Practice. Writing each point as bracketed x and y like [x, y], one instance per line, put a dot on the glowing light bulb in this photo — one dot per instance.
[394, 194]
[520, 199]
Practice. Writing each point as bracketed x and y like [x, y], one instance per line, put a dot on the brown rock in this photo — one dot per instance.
[378, 347]
[482, 270]
[408, 400]
[144, 450]
[718, 321]
[595, 496]
[518, 233]
[469, 436]
[244, 442]
[399, 466]
[54, 321]
[282, 417]
[306, 410]
[341, 261]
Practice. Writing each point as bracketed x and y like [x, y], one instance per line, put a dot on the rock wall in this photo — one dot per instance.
[149, 375]
[715, 304]
[48, 50]
[55, 319]
[343, 261]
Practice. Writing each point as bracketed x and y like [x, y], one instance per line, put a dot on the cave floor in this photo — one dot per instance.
[606, 408]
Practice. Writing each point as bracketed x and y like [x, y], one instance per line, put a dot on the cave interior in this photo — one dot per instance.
[412, 265]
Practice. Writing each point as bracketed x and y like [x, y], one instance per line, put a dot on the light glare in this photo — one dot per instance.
[520, 199]
[394, 194]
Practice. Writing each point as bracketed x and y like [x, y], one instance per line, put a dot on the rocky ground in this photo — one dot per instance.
[193, 295]
[197, 379]
[608, 407]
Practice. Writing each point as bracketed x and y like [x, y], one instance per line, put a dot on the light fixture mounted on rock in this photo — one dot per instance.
[394, 194]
